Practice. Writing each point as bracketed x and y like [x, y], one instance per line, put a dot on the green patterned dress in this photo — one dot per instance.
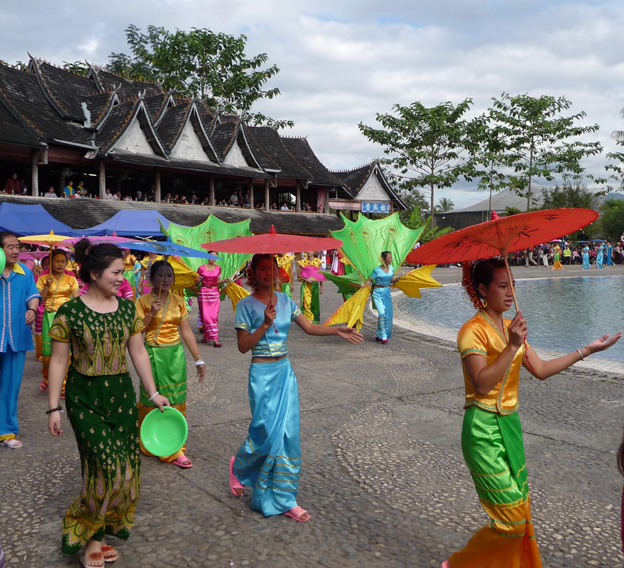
[101, 406]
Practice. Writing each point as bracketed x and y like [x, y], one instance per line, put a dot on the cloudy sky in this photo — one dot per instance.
[343, 61]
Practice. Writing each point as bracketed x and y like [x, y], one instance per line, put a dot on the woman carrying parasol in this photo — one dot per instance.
[269, 459]
[493, 349]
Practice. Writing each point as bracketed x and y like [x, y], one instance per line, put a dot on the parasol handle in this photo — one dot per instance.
[513, 289]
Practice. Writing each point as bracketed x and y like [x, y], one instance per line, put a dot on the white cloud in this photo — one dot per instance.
[343, 62]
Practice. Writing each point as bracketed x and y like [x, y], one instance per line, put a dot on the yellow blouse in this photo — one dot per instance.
[163, 332]
[129, 262]
[60, 290]
[480, 336]
[285, 261]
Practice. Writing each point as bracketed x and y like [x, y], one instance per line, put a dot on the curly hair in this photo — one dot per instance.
[476, 273]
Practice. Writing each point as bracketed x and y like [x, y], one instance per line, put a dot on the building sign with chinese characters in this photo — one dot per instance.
[375, 207]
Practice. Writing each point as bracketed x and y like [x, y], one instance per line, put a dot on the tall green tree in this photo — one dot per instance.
[616, 169]
[569, 195]
[542, 143]
[426, 146]
[201, 64]
[612, 219]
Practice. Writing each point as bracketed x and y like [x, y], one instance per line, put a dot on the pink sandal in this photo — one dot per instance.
[182, 461]
[109, 553]
[235, 484]
[296, 513]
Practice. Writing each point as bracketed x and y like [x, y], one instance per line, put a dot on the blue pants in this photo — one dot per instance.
[11, 371]
[382, 302]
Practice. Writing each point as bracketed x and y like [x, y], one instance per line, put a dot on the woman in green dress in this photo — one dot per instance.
[101, 402]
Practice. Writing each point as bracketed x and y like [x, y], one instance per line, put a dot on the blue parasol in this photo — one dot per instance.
[168, 248]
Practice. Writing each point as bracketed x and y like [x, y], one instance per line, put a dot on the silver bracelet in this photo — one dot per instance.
[199, 362]
[581, 354]
[153, 396]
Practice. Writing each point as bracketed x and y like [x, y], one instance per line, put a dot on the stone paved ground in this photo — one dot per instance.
[383, 474]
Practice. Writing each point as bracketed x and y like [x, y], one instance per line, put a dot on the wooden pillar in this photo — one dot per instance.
[34, 170]
[267, 195]
[102, 180]
[157, 188]
[298, 197]
[211, 190]
[251, 193]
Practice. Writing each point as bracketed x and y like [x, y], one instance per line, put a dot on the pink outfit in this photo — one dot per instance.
[125, 290]
[312, 271]
[209, 301]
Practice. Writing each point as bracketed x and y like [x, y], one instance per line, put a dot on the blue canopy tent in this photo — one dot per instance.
[27, 220]
[130, 223]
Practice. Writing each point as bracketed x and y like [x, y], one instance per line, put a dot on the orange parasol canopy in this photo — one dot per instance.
[501, 236]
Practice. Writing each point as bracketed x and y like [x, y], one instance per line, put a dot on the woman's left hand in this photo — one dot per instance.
[201, 373]
[604, 342]
[350, 334]
[160, 401]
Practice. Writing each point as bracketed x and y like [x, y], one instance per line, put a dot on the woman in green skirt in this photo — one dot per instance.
[165, 317]
[101, 404]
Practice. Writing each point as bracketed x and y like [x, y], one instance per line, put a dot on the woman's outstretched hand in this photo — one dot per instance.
[604, 342]
[517, 330]
[350, 334]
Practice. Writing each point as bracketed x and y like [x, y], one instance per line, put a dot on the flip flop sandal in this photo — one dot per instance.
[296, 513]
[182, 461]
[235, 484]
[12, 443]
[109, 553]
[93, 560]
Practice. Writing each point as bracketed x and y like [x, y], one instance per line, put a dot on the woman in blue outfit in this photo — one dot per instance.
[600, 257]
[586, 258]
[269, 460]
[381, 279]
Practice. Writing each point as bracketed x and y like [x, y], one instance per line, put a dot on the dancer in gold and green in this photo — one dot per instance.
[101, 403]
[493, 349]
[166, 322]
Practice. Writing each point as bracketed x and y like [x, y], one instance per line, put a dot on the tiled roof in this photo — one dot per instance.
[23, 94]
[98, 105]
[223, 137]
[128, 87]
[13, 131]
[267, 147]
[65, 90]
[172, 123]
[355, 179]
[155, 105]
[302, 152]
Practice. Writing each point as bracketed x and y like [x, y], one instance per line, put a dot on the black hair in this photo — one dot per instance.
[476, 273]
[94, 258]
[156, 266]
[56, 252]
[384, 254]
[4, 235]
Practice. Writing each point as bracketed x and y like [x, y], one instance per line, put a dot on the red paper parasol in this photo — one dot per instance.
[273, 243]
[502, 235]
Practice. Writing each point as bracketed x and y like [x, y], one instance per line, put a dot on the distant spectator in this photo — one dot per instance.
[167, 198]
[13, 186]
[50, 192]
[182, 200]
[140, 196]
[193, 199]
[69, 189]
[117, 196]
[274, 205]
[234, 198]
[108, 195]
[151, 194]
[206, 201]
[81, 190]
[127, 198]
[284, 207]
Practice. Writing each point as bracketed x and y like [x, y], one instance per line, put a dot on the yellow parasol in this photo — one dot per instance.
[411, 283]
[46, 240]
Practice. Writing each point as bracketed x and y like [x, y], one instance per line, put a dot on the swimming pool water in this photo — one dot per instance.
[562, 313]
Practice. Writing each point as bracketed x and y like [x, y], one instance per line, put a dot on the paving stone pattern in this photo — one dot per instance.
[383, 475]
